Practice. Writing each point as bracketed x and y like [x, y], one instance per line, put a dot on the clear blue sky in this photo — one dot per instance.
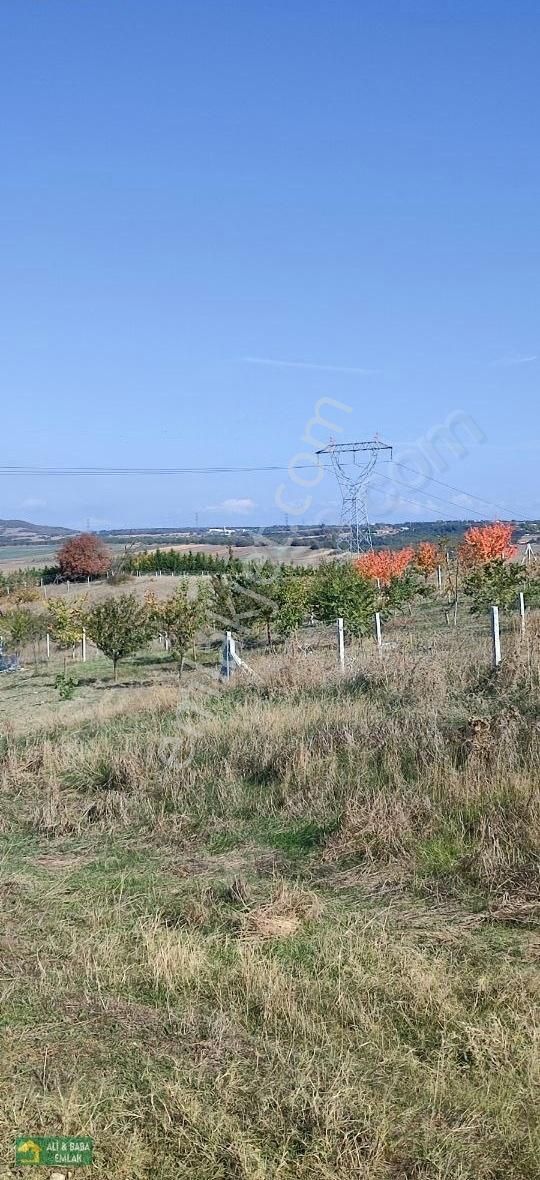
[193, 190]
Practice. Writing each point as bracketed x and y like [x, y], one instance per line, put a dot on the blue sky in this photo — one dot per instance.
[194, 191]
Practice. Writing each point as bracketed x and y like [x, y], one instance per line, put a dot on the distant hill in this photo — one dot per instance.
[22, 532]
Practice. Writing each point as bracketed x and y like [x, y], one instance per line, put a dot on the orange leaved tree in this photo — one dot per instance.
[384, 565]
[427, 557]
[487, 542]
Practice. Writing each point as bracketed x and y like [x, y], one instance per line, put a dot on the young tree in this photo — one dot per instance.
[85, 556]
[294, 595]
[382, 565]
[247, 598]
[119, 627]
[340, 591]
[484, 543]
[427, 557]
[495, 583]
[22, 626]
[400, 591]
[181, 617]
[66, 621]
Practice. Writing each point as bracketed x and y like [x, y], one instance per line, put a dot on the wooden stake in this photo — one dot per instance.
[83, 645]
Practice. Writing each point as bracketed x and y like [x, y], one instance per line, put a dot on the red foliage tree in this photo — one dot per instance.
[384, 564]
[427, 557]
[486, 542]
[85, 556]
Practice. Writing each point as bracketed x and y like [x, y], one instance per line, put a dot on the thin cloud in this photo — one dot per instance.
[240, 507]
[279, 364]
[33, 502]
[507, 362]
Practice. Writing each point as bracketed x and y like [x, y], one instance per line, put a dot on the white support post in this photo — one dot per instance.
[495, 636]
[378, 633]
[439, 578]
[228, 655]
[83, 645]
[67, 587]
[167, 643]
[522, 611]
[48, 645]
[340, 644]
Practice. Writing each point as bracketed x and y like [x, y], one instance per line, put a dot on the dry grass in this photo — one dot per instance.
[283, 930]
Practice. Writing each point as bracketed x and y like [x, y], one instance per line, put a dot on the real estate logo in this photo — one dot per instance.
[53, 1149]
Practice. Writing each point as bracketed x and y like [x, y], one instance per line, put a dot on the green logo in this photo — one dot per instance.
[54, 1149]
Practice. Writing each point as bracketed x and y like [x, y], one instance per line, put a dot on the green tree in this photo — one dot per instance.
[181, 617]
[23, 627]
[247, 599]
[294, 596]
[497, 583]
[402, 591]
[66, 622]
[339, 591]
[119, 627]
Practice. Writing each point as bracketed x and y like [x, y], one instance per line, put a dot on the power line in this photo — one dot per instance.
[432, 496]
[459, 491]
[15, 470]
[232, 470]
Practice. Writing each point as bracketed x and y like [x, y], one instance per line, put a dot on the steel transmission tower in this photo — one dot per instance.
[353, 480]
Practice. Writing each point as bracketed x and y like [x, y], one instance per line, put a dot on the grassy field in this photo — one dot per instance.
[283, 929]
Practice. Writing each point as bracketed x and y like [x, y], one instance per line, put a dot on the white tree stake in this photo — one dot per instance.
[341, 644]
[522, 611]
[48, 643]
[378, 633]
[83, 645]
[496, 636]
[439, 578]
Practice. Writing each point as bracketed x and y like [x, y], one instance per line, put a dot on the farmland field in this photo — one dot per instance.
[286, 928]
[14, 557]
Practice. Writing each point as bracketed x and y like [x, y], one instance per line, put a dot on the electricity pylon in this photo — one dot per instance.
[353, 482]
